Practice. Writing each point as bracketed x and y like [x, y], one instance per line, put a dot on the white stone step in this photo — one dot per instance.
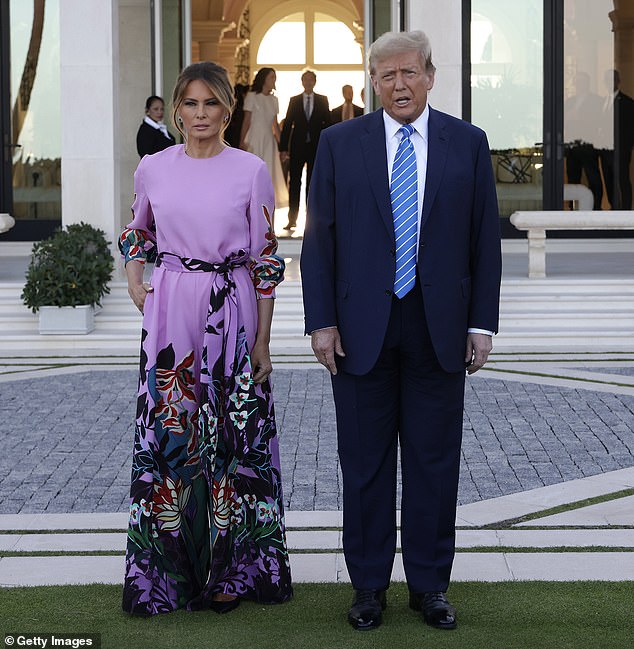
[330, 567]
[548, 314]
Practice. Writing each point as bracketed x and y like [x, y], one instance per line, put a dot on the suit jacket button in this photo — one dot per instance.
[393, 252]
[388, 292]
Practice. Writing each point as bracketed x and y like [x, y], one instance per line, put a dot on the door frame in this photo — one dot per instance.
[6, 175]
[553, 121]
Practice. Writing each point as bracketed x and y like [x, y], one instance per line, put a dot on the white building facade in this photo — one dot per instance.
[538, 75]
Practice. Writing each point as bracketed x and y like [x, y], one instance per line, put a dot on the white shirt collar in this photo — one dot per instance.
[150, 122]
[159, 126]
[420, 124]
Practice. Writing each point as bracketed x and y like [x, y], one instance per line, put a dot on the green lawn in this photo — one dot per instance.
[536, 615]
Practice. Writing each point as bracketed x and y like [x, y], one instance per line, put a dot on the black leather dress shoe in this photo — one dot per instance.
[365, 612]
[436, 609]
[224, 606]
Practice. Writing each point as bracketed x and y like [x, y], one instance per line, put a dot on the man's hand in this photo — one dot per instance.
[284, 156]
[478, 349]
[326, 343]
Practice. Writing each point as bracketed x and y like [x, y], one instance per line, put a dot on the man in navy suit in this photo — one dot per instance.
[347, 110]
[307, 115]
[397, 341]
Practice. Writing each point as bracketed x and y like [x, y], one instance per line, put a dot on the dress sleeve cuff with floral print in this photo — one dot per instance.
[135, 245]
[267, 272]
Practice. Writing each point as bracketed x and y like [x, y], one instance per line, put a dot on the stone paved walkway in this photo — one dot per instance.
[67, 439]
[547, 435]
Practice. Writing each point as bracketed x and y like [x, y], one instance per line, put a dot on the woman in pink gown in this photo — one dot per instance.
[206, 516]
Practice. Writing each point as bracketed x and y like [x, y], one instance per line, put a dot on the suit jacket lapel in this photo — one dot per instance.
[375, 157]
[438, 141]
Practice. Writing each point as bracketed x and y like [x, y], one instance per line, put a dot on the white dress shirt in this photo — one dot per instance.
[419, 141]
[307, 100]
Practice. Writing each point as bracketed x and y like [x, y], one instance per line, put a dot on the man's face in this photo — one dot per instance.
[308, 81]
[402, 84]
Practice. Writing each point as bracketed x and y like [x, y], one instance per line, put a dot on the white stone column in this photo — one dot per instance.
[90, 120]
[442, 22]
[135, 86]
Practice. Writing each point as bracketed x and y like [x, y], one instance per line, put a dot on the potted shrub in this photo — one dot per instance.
[68, 275]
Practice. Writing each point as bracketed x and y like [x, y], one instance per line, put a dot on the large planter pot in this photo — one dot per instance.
[67, 319]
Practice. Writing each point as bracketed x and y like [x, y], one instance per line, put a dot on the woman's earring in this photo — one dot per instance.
[226, 118]
[179, 119]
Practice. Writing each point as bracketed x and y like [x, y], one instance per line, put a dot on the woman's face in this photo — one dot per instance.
[156, 110]
[202, 114]
[269, 82]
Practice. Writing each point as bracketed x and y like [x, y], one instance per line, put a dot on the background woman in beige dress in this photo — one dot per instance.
[261, 132]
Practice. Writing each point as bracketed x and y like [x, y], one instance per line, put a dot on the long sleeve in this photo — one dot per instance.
[138, 241]
[267, 269]
[317, 260]
[486, 256]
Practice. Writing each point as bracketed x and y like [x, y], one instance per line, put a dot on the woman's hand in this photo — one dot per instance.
[261, 362]
[138, 293]
[137, 288]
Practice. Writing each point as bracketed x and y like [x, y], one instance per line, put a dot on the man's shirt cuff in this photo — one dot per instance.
[473, 330]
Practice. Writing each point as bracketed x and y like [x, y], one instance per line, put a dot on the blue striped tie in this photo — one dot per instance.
[404, 195]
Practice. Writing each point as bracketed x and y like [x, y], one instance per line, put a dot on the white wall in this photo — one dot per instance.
[442, 22]
[90, 106]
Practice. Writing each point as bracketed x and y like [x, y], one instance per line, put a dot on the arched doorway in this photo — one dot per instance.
[242, 35]
[320, 36]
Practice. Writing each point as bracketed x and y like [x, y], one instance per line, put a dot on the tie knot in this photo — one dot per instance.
[406, 130]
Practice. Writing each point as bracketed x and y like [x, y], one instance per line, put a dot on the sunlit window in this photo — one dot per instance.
[327, 31]
[335, 56]
[285, 42]
[481, 40]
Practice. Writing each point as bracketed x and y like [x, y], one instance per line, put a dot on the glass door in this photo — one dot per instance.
[598, 109]
[552, 83]
[507, 97]
[31, 126]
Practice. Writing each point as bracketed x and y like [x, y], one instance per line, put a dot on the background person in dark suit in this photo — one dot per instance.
[582, 115]
[618, 120]
[307, 115]
[397, 317]
[153, 135]
[347, 110]
[232, 133]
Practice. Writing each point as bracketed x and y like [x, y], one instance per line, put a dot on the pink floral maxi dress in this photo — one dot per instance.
[206, 512]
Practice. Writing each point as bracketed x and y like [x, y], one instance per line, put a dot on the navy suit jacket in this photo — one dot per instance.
[348, 255]
[296, 126]
[336, 114]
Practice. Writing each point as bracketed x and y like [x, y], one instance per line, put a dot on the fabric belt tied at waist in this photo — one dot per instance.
[223, 310]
